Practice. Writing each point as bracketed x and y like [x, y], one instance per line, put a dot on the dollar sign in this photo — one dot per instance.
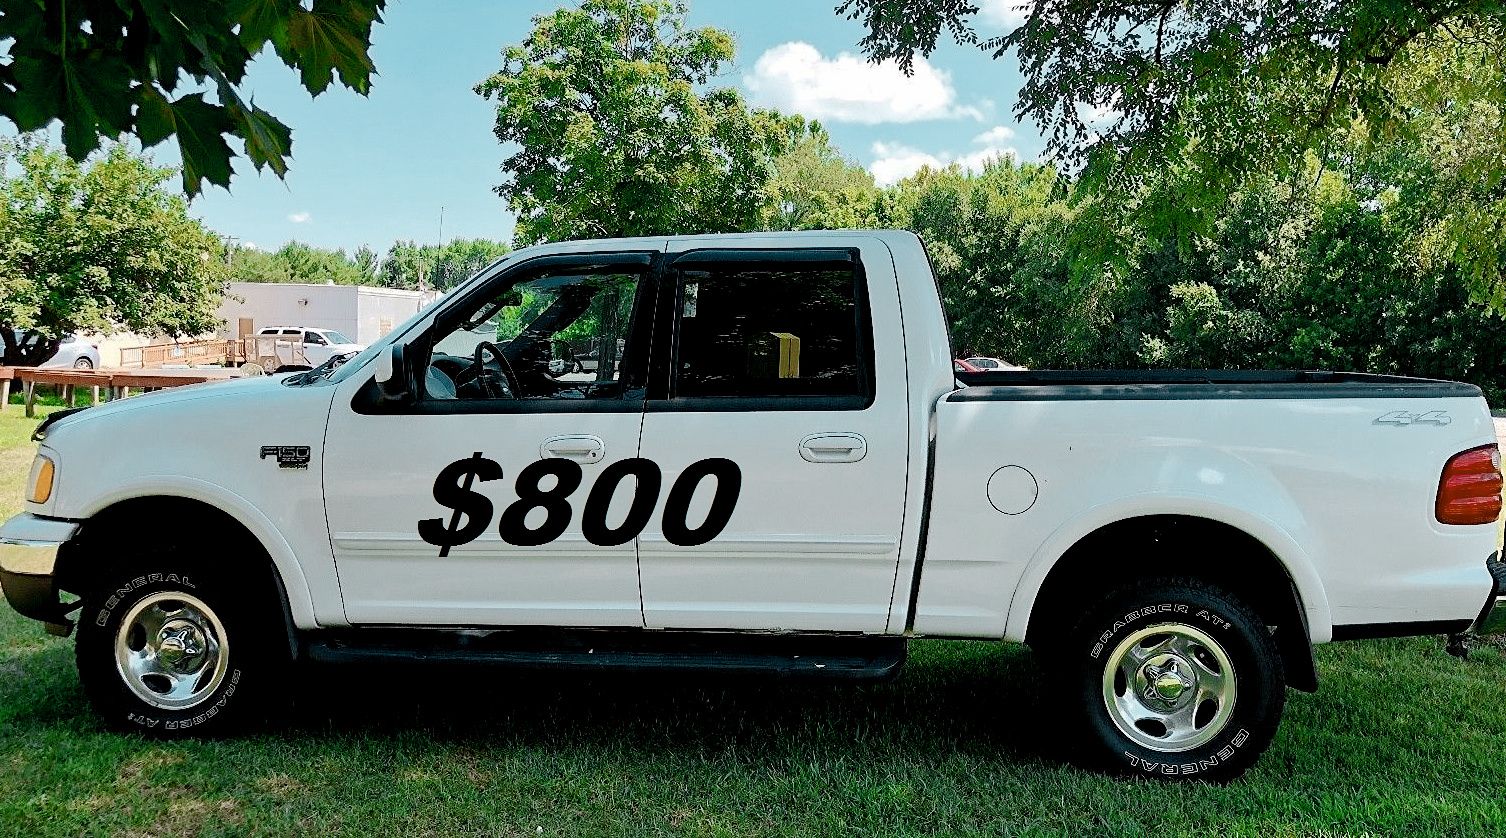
[452, 488]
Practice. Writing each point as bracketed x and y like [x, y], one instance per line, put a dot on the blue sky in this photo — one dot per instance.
[377, 169]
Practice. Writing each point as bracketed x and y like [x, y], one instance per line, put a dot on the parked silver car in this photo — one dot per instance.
[74, 352]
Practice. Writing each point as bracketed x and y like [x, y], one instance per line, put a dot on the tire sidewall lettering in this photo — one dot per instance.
[110, 603]
[1248, 730]
[1183, 769]
[1130, 617]
[152, 722]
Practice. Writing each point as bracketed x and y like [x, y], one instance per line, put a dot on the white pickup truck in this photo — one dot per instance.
[768, 465]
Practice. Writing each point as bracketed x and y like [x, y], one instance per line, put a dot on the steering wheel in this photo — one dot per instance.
[501, 383]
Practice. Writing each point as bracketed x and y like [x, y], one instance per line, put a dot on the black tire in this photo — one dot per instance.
[1151, 732]
[253, 648]
[83, 363]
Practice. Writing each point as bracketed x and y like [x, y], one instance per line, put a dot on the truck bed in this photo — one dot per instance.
[1078, 385]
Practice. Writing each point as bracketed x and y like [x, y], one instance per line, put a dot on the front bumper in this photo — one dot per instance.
[1493, 619]
[29, 548]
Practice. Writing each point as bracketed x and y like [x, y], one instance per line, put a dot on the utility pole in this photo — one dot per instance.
[439, 251]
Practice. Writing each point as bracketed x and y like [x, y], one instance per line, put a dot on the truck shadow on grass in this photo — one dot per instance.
[952, 697]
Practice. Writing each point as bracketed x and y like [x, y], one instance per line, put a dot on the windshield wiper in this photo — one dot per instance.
[321, 371]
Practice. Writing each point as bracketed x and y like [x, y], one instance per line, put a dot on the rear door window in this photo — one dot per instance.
[771, 328]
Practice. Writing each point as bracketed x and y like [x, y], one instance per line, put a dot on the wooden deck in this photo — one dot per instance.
[116, 384]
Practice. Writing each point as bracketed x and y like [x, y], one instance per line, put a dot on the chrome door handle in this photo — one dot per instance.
[580, 448]
[833, 448]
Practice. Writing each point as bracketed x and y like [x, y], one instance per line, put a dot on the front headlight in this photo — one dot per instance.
[39, 485]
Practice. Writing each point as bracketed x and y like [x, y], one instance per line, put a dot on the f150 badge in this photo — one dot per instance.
[1401, 418]
[288, 456]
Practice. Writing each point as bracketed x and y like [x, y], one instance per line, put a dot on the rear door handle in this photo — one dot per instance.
[580, 448]
[833, 448]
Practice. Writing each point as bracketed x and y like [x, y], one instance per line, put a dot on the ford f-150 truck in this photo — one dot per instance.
[751, 453]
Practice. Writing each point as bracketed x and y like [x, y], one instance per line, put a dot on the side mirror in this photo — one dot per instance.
[394, 375]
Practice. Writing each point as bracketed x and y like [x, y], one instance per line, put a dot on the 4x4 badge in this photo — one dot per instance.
[288, 456]
[1402, 418]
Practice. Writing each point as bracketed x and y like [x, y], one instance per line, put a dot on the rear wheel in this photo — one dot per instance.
[83, 363]
[1175, 679]
[175, 650]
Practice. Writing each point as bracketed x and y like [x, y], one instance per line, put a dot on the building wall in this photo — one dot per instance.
[380, 310]
[359, 311]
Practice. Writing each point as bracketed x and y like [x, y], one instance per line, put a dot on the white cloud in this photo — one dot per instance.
[1098, 116]
[796, 77]
[995, 135]
[893, 162]
[300, 217]
[1007, 14]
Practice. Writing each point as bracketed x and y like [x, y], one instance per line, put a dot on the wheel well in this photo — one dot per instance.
[173, 521]
[1177, 545]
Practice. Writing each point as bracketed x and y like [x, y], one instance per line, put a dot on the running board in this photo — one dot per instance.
[856, 658]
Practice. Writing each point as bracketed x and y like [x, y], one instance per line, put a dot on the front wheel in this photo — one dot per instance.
[173, 651]
[1175, 679]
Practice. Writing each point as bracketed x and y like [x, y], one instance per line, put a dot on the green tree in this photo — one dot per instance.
[616, 133]
[815, 188]
[98, 247]
[1228, 91]
[106, 67]
[299, 262]
[411, 265]
[999, 243]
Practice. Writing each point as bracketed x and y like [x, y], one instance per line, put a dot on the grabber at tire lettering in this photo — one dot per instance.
[1175, 679]
[172, 648]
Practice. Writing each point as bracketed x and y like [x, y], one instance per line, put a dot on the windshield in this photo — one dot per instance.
[335, 337]
[349, 368]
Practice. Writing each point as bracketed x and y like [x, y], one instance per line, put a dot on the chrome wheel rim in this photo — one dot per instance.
[1169, 687]
[171, 651]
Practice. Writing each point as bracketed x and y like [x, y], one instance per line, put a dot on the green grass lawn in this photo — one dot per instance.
[1402, 740]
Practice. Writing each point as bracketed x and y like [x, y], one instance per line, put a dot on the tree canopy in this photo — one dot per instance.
[616, 133]
[102, 68]
[404, 264]
[1229, 91]
[99, 247]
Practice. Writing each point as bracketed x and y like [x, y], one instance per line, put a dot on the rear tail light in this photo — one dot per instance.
[1469, 492]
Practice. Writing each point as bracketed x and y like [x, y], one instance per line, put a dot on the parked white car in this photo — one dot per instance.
[319, 345]
[74, 352]
[778, 471]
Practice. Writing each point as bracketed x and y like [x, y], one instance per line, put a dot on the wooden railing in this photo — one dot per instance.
[270, 351]
[117, 383]
[199, 352]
